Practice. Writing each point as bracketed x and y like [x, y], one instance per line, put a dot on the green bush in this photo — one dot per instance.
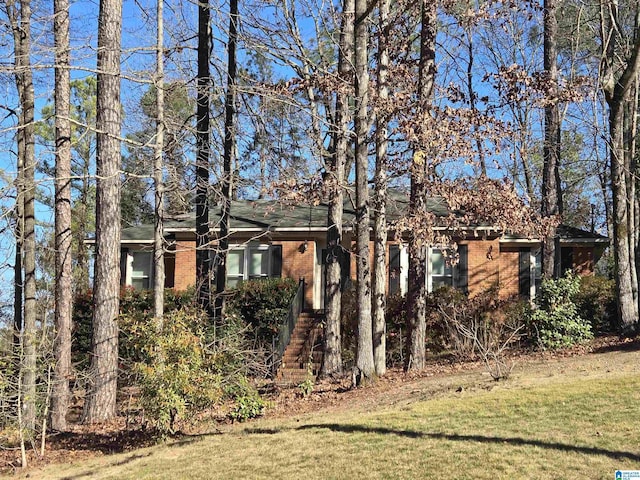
[248, 403]
[596, 302]
[556, 323]
[263, 304]
[190, 366]
[135, 305]
[174, 371]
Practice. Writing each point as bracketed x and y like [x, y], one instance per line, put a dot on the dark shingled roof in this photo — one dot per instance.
[567, 232]
[269, 215]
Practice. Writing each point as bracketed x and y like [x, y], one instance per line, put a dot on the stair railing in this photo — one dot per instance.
[281, 341]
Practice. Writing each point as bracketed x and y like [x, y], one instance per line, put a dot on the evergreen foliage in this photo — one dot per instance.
[556, 322]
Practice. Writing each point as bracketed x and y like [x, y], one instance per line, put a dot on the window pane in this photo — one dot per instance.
[233, 282]
[438, 282]
[235, 262]
[538, 265]
[140, 283]
[141, 264]
[439, 264]
[258, 263]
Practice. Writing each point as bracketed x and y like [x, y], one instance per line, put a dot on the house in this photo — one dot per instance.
[271, 240]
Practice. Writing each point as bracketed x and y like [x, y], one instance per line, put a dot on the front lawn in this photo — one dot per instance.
[580, 423]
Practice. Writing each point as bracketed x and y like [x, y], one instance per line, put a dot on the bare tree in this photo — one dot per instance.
[418, 197]
[380, 196]
[228, 155]
[20, 21]
[620, 71]
[158, 170]
[551, 186]
[63, 238]
[100, 404]
[203, 260]
[332, 360]
[364, 357]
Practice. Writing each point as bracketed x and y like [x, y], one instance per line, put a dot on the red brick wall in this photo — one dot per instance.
[296, 264]
[185, 264]
[484, 265]
[490, 264]
[509, 271]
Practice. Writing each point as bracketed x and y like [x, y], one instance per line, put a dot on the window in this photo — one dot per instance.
[258, 264]
[141, 270]
[444, 272]
[235, 267]
[441, 269]
[394, 269]
[253, 262]
[537, 271]
[530, 276]
[566, 260]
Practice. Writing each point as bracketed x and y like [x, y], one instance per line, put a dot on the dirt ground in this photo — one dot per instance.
[605, 356]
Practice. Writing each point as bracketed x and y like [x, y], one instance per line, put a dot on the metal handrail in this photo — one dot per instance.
[281, 341]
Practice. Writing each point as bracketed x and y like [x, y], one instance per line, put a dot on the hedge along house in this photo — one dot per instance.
[268, 239]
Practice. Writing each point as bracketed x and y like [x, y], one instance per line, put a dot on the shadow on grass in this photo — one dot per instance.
[615, 454]
[92, 473]
[629, 346]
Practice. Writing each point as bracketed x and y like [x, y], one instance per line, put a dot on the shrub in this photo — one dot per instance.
[596, 302]
[135, 306]
[248, 403]
[478, 327]
[396, 316]
[263, 304]
[349, 325]
[190, 366]
[174, 372]
[247, 406]
[556, 323]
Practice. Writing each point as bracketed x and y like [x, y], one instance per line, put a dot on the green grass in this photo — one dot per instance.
[583, 428]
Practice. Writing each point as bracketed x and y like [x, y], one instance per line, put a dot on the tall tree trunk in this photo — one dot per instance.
[364, 356]
[616, 90]
[551, 186]
[60, 395]
[82, 259]
[627, 307]
[629, 138]
[380, 199]
[18, 282]
[158, 170]
[332, 360]
[472, 100]
[228, 156]
[416, 311]
[203, 248]
[18, 285]
[101, 401]
[20, 21]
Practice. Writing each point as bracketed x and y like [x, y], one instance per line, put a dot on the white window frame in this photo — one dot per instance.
[430, 268]
[129, 270]
[535, 271]
[247, 249]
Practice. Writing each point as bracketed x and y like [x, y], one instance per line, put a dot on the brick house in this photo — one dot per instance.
[271, 240]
